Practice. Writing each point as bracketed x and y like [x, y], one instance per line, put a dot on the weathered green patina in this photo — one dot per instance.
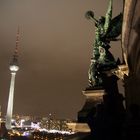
[106, 30]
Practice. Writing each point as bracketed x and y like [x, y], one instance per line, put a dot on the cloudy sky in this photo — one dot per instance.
[54, 53]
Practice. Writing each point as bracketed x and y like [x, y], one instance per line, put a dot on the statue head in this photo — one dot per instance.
[101, 20]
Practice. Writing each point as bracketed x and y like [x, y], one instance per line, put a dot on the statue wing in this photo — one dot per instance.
[115, 27]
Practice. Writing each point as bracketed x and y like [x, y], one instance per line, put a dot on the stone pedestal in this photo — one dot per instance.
[93, 97]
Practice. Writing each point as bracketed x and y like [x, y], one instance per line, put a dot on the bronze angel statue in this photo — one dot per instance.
[106, 30]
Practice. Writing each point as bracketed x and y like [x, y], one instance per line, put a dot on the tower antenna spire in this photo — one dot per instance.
[15, 54]
[17, 42]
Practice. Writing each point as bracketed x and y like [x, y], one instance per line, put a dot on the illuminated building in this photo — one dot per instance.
[13, 68]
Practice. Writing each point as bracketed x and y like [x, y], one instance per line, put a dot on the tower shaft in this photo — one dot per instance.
[10, 101]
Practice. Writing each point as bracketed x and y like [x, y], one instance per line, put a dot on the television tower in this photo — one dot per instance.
[13, 68]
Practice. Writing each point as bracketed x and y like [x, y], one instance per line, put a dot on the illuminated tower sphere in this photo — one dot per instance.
[13, 68]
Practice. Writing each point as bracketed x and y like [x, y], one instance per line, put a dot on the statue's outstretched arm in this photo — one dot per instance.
[108, 16]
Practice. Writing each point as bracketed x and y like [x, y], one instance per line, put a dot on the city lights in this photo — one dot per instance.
[36, 129]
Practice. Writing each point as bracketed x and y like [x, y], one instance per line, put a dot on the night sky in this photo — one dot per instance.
[54, 53]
